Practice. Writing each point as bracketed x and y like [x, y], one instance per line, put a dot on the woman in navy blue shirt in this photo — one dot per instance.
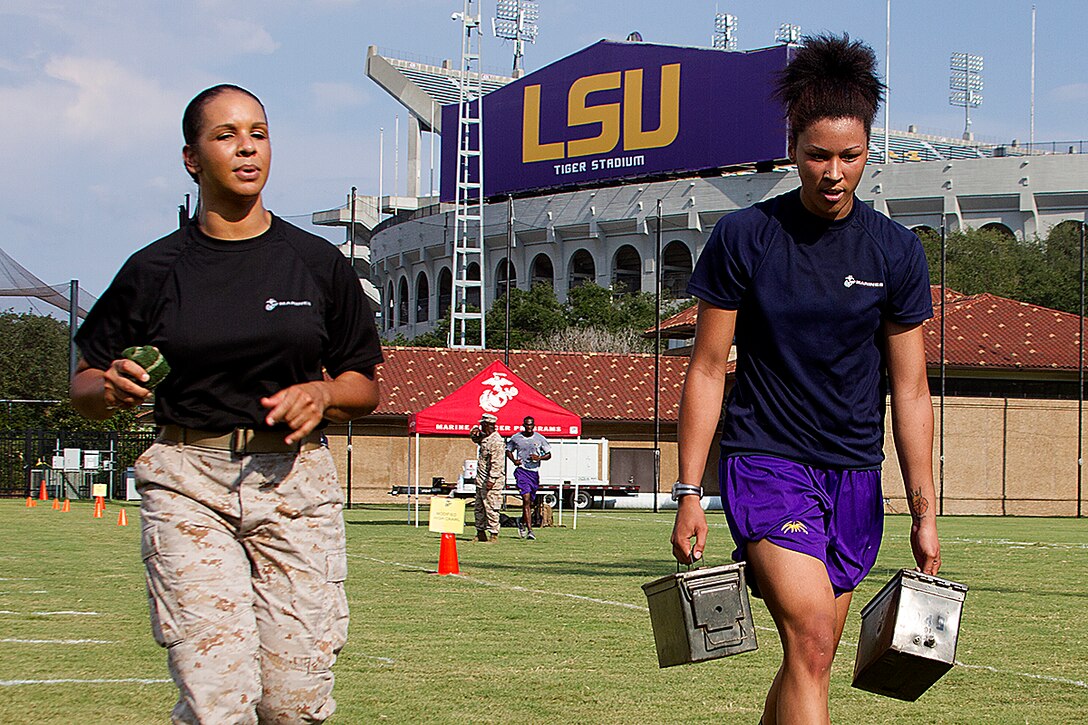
[825, 298]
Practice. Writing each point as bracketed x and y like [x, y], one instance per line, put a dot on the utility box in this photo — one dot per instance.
[702, 614]
[131, 494]
[909, 632]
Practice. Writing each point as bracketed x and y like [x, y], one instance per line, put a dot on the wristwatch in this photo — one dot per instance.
[685, 489]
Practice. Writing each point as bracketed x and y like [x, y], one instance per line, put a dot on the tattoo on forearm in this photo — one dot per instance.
[918, 504]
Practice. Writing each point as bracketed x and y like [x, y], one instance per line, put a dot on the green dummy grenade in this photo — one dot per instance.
[150, 359]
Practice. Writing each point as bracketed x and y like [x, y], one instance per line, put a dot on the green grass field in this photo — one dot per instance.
[549, 631]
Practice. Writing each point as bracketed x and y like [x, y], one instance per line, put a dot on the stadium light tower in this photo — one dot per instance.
[788, 33]
[725, 32]
[965, 83]
[516, 20]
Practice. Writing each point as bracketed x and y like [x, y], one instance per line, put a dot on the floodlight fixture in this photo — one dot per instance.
[788, 33]
[516, 20]
[725, 32]
[965, 82]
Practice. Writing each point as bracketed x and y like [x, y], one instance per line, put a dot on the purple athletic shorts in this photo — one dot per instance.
[834, 515]
[527, 482]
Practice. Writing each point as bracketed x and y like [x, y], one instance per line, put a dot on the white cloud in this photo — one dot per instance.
[1071, 92]
[331, 96]
[245, 36]
[100, 99]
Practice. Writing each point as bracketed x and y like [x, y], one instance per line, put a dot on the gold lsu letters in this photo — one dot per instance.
[606, 115]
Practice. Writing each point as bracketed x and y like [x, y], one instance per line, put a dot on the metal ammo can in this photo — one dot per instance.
[702, 614]
[909, 632]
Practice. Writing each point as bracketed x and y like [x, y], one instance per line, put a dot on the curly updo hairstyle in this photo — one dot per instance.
[830, 77]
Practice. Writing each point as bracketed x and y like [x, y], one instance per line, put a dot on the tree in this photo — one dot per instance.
[590, 305]
[595, 339]
[34, 367]
[612, 323]
[437, 337]
[533, 314]
[1052, 271]
[1040, 271]
[977, 261]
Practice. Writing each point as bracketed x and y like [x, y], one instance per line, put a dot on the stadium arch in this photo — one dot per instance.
[504, 268]
[542, 271]
[423, 297]
[627, 270]
[676, 268]
[583, 270]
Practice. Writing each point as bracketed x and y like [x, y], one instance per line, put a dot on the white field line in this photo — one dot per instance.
[1005, 542]
[51, 614]
[509, 587]
[13, 640]
[73, 681]
[625, 605]
[1046, 678]
[16, 579]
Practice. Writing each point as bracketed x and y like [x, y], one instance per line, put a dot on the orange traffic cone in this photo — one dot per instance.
[122, 518]
[42, 494]
[99, 505]
[66, 507]
[447, 555]
[56, 504]
[30, 502]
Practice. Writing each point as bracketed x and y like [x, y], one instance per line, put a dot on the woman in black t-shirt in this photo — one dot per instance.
[269, 337]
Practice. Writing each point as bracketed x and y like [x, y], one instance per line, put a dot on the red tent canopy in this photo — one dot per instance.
[499, 391]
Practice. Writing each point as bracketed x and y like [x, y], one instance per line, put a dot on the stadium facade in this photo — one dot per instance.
[573, 202]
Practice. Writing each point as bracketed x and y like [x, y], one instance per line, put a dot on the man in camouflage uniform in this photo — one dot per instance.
[490, 477]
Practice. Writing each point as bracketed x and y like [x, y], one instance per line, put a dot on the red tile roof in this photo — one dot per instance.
[987, 331]
[981, 331]
[600, 386]
[682, 324]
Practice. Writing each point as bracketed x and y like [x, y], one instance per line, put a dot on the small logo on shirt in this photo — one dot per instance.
[272, 303]
[794, 527]
[850, 281]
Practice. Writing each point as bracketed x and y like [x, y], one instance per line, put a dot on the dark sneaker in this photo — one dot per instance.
[530, 535]
[521, 529]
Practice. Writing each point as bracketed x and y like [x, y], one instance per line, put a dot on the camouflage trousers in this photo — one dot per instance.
[246, 561]
[488, 503]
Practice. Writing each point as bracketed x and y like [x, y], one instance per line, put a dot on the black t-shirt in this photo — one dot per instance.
[236, 320]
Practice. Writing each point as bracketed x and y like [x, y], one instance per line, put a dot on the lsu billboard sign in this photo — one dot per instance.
[622, 111]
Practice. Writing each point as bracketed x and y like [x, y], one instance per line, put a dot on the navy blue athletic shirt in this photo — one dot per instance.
[811, 296]
[237, 321]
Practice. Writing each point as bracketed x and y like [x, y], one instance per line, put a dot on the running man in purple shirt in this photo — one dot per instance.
[526, 449]
[825, 298]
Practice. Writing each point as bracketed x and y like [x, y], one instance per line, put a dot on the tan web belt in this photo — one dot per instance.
[240, 440]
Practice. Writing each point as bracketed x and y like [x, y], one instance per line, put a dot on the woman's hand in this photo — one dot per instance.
[98, 393]
[120, 391]
[690, 521]
[302, 407]
[925, 545]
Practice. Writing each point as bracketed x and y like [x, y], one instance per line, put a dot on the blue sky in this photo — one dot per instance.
[92, 93]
